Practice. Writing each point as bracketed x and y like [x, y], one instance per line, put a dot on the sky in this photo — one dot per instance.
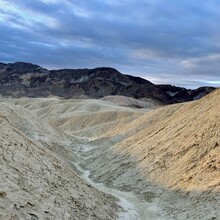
[164, 41]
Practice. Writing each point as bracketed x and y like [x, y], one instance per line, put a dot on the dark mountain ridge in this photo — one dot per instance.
[26, 79]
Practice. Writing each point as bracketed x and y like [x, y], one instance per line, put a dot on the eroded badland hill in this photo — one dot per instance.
[168, 157]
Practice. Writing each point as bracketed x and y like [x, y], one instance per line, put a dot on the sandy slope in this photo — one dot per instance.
[130, 102]
[37, 183]
[178, 145]
[80, 117]
[169, 156]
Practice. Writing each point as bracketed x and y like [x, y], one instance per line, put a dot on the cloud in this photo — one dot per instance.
[166, 41]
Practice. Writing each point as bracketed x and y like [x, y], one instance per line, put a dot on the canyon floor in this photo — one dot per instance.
[96, 159]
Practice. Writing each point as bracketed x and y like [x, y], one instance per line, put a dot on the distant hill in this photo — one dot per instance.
[26, 79]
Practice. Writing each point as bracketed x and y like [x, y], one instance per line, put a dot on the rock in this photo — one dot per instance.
[26, 79]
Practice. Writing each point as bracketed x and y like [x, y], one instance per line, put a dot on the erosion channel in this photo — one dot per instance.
[132, 207]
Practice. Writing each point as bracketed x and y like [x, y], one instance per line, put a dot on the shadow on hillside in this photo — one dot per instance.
[120, 170]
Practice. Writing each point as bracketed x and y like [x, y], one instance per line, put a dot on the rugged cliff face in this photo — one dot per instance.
[26, 79]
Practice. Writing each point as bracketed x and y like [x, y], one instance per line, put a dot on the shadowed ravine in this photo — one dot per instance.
[132, 207]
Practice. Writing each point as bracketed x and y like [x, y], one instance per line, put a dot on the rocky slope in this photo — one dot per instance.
[25, 79]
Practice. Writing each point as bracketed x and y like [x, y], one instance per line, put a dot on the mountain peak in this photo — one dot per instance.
[27, 79]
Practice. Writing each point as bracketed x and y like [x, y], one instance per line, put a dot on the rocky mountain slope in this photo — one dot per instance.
[25, 79]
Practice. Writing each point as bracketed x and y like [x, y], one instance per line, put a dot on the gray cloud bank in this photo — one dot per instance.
[165, 41]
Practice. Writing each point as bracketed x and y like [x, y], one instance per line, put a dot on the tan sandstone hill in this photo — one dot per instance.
[169, 156]
[176, 146]
[131, 102]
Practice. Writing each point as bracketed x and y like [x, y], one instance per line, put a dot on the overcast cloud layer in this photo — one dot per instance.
[165, 41]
